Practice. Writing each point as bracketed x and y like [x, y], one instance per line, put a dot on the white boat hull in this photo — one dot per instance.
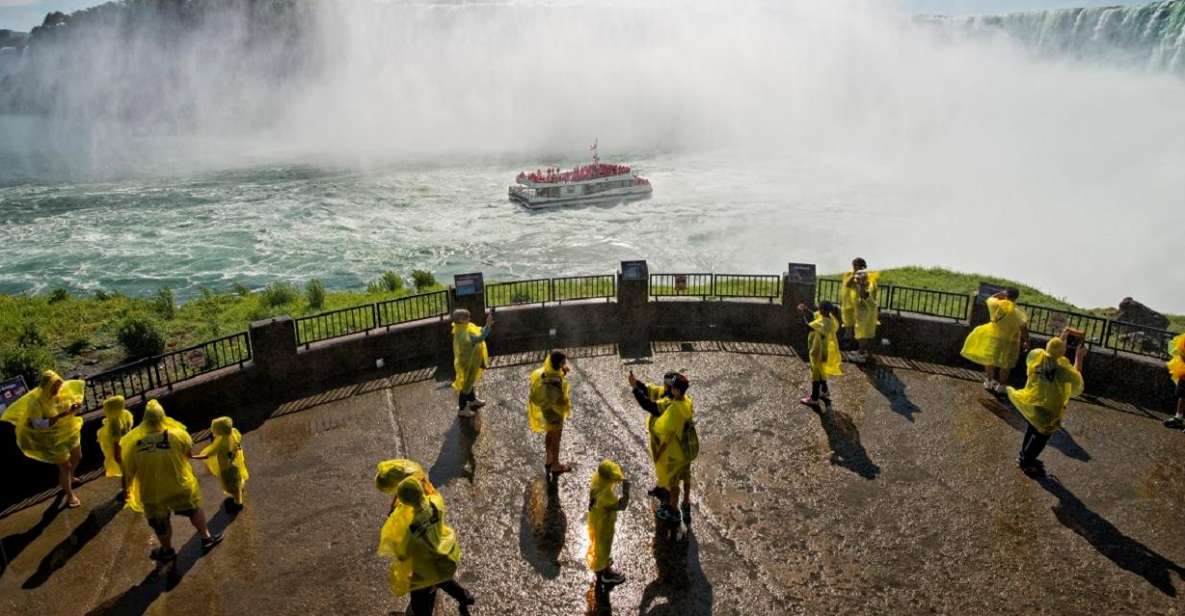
[534, 202]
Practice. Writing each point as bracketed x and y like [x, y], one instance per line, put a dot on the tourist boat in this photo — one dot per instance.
[595, 183]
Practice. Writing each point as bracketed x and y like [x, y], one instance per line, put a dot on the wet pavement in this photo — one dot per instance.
[903, 499]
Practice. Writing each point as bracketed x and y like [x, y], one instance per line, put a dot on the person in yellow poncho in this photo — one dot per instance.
[1176, 366]
[859, 299]
[48, 428]
[548, 405]
[117, 422]
[423, 550]
[1052, 381]
[671, 415]
[603, 506]
[391, 473]
[470, 359]
[226, 461]
[996, 345]
[822, 351]
[160, 479]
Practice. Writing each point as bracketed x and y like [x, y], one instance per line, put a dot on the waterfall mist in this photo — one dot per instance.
[1063, 173]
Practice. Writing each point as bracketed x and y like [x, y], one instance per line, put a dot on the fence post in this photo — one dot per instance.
[273, 344]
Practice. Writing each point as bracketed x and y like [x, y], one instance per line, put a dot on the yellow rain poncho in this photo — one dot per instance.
[997, 343]
[860, 312]
[602, 514]
[30, 415]
[391, 472]
[549, 402]
[156, 464]
[1051, 383]
[422, 548]
[823, 348]
[469, 359]
[667, 429]
[226, 460]
[117, 422]
[1176, 365]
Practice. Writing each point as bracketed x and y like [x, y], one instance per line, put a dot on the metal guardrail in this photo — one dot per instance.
[167, 369]
[827, 290]
[763, 286]
[573, 288]
[943, 304]
[1047, 321]
[335, 324]
[518, 293]
[1138, 339]
[412, 308]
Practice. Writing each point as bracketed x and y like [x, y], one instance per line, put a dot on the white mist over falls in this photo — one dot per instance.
[201, 143]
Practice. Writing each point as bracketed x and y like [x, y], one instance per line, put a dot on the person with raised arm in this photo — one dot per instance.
[548, 404]
[470, 359]
[996, 345]
[48, 428]
[1052, 381]
[859, 306]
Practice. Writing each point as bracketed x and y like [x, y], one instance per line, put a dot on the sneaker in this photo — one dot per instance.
[467, 412]
[1176, 423]
[609, 577]
[1034, 468]
[989, 385]
[667, 514]
[213, 540]
[686, 508]
[163, 555]
[999, 389]
[477, 403]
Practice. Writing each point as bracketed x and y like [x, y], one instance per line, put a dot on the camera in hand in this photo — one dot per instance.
[1074, 338]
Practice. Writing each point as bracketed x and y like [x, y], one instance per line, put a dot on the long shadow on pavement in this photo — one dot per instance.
[681, 580]
[12, 545]
[455, 458]
[1125, 552]
[137, 599]
[64, 551]
[844, 439]
[890, 386]
[543, 528]
[1061, 440]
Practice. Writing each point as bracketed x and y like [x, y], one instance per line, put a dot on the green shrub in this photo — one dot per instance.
[259, 313]
[164, 304]
[423, 279]
[102, 295]
[78, 345]
[58, 295]
[140, 337]
[28, 362]
[314, 291]
[240, 289]
[390, 281]
[280, 294]
[30, 336]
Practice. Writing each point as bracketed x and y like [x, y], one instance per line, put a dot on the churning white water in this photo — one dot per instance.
[351, 138]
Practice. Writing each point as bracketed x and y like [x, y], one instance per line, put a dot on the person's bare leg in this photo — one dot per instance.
[199, 522]
[674, 499]
[1181, 408]
[66, 479]
[549, 445]
[687, 489]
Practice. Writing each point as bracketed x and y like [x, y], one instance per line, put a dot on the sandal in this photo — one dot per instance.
[73, 503]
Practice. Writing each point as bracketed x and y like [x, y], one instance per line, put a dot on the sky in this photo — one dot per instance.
[22, 15]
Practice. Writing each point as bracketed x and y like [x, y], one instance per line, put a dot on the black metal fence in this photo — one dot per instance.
[681, 285]
[335, 324]
[412, 308]
[928, 302]
[704, 286]
[168, 369]
[519, 292]
[1138, 339]
[573, 288]
[1051, 322]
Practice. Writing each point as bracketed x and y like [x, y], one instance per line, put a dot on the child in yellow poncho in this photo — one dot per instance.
[859, 298]
[48, 428]
[996, 345]
[160, 479]
[117, 422]
[548, 405]
[1052, 381]
[669, 426]
[822, 351]
[470, 358]
[226, 461]
[423, 550]
[603, 506]
[1176, 368]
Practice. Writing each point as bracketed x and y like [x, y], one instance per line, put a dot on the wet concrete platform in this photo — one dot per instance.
[903, 499]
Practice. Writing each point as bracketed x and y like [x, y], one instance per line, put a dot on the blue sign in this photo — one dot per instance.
[11, 391]
[468, 285]
[801, 273]
[634, 271]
